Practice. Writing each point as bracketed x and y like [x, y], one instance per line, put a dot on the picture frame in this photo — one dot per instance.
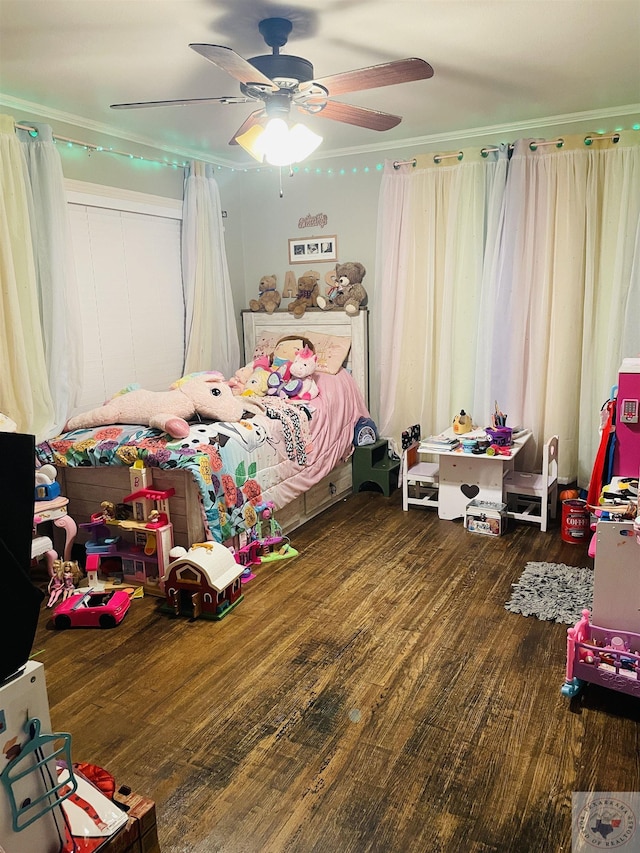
[305, 250]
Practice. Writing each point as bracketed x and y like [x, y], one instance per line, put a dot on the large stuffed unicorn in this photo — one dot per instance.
[204, 394]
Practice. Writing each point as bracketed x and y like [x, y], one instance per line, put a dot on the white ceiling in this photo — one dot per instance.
[499, 64]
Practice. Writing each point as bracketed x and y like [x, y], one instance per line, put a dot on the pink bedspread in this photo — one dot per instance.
[335, 412]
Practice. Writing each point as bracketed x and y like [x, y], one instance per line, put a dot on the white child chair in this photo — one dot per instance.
[533, 497]
[419, 479]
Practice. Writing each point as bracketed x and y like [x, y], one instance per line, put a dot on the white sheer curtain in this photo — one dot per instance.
[24, 385]
[570, 225]
[530, 297]
[430, 276]
[55, 271]
[211, 334]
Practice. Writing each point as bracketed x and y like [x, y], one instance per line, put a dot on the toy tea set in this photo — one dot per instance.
[494, 440]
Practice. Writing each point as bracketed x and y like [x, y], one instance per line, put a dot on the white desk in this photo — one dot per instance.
[465, 476]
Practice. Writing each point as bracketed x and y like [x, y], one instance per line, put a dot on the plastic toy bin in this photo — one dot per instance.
[486, 517]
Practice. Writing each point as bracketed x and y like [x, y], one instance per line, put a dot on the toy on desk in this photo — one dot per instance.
[498, 418]
[498, 450]
[462, 423]
[500, 436]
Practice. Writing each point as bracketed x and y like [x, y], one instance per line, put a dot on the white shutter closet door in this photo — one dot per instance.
[129, 276]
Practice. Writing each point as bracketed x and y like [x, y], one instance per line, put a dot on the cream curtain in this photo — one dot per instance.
[211, 333]
[433, 238]
[24, 385]
[58, 296]
[525, 290]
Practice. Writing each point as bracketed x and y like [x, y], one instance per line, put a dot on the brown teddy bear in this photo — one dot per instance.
[349, 292]
[307, 294]
[269, 298]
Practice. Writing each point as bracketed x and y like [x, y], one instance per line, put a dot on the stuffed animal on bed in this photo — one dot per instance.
[204, 394]
[302, 367]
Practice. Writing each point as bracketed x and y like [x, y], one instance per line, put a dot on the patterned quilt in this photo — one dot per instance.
[274, 456]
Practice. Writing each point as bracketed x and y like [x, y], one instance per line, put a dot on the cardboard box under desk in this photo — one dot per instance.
[486, 517]
[140, 835]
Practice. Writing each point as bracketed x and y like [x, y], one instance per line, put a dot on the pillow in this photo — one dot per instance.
[268, 341]
[266, 344]
[331, 350]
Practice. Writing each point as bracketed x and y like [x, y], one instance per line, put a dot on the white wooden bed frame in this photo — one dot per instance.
[87, 487]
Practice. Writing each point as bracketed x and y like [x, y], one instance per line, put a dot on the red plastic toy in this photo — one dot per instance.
[92, 609]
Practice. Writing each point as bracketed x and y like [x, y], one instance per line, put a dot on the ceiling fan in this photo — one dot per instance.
[281, 82]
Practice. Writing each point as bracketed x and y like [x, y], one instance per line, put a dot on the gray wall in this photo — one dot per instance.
[259, 222]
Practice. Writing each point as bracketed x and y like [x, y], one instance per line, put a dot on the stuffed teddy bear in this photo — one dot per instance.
[349, 292]
[269, 298]
[307, 294]
[205, 394]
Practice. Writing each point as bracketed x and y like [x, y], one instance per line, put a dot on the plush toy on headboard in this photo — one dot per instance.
[307, 294]
[269, 298]
[349, 292]
[205, 394]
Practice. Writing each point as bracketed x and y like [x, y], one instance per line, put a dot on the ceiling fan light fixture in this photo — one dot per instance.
[278, 144]
[250, 141]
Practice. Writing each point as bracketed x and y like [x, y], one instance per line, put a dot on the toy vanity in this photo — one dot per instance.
[604, 648]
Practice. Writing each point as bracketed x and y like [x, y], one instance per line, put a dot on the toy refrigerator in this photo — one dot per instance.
[626, 455]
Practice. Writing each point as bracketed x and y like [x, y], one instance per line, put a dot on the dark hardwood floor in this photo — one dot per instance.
[371, 695]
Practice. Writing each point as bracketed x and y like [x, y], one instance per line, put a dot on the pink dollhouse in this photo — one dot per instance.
[136, 550]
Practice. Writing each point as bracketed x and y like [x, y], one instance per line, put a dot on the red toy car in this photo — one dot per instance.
[92, 609]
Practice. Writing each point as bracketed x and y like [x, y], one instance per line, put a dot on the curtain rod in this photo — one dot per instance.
[533, 146]
[33, 131]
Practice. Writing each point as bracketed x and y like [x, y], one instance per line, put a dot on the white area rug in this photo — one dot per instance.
[553, 592]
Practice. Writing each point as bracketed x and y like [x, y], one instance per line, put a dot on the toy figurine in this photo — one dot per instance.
[71, 574]
[54, 589]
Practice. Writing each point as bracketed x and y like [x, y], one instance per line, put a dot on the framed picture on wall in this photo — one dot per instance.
[303, 250]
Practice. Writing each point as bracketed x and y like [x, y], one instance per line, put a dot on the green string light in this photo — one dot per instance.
[330, 171]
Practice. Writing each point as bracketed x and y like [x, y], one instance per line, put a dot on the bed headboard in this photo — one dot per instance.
[254, 323]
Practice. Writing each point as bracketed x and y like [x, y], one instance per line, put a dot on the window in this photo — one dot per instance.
[127, 255]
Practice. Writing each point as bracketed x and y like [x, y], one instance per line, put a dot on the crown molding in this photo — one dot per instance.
[507, 132]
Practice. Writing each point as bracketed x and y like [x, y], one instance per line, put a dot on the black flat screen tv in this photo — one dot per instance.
[21, 599]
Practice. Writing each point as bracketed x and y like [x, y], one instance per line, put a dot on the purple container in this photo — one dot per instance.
[501, 436]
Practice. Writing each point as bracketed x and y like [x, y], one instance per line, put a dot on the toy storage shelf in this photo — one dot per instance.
[372, 466]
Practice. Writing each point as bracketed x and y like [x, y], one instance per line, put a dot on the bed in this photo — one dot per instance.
[220, 469]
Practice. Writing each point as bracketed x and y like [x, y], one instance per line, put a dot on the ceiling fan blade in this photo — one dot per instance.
[387, 74]
[234, 64]
[184, 102]
[360, 116]
[250, 121]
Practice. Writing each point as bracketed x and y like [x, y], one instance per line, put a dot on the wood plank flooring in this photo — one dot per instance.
[371, 695]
